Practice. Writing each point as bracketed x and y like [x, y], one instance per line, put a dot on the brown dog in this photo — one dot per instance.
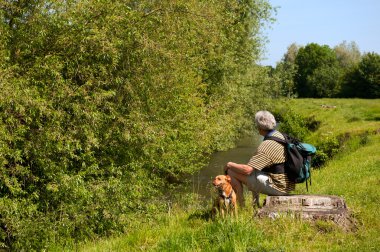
[225, 200]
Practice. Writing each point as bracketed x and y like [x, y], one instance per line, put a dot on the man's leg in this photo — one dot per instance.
[255, 199]
[237, 181]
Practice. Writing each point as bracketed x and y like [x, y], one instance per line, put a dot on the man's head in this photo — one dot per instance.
[265, 120]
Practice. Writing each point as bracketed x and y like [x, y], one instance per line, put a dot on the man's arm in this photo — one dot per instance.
[239, 168]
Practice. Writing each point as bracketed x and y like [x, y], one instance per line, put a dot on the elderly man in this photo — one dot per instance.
[264, 172]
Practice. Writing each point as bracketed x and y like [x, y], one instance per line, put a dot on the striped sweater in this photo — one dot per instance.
[268, 153]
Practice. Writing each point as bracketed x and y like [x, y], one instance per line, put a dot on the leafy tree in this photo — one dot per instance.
[291, 53]
[348, 54]
[364, 80]
[283, 79]
[286, 70]
[308, 60]
[103, 103]
[326, 81]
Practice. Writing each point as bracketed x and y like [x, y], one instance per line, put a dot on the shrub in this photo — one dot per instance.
[291, 123]
[104, 103]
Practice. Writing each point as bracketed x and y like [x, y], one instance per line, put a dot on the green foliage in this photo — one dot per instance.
[300, 127]
[291, 122]
[291, 53]
[327, 148]
[319, 72]
[285, 72]
[326, 81]
[104, 103]
[350, 123]
[364, 79]
[308, 60]
[348, 54]
[336, 125]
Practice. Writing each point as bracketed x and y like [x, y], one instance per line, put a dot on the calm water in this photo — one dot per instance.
[201, 181]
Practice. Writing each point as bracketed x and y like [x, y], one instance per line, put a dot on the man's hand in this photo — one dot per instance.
[226, 167]
[229, 165]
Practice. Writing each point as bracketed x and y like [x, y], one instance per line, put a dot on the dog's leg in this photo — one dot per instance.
[221, 207]
[235, 211]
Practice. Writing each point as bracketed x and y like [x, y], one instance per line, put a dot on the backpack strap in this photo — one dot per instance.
[277, 139]
[288, 139]
[275, 168]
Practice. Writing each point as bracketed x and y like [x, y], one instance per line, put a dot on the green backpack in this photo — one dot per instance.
[298, 158]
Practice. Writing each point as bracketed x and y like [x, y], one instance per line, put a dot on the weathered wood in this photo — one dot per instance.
[309, 207]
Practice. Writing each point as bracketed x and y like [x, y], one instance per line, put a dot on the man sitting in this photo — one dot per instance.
[264, 172]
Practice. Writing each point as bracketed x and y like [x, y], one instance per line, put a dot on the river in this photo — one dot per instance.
[201, 181]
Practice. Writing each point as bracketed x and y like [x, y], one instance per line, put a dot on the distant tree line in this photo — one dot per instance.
[320, 71]
[104, 105]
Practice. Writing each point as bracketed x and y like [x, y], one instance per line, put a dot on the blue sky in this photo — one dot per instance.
[325, 22]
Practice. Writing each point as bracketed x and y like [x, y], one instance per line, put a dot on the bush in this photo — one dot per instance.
[291, 123]
[326, 149]
[104, 103]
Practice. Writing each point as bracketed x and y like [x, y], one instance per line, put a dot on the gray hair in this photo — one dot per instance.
[265, 120]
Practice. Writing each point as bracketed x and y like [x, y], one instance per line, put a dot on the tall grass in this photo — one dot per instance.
[353, 174]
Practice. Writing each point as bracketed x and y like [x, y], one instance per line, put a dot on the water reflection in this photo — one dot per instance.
[201, 181]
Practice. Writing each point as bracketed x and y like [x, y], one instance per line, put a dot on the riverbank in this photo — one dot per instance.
[353, 174]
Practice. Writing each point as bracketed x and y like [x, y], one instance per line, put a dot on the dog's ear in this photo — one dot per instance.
[228, 178]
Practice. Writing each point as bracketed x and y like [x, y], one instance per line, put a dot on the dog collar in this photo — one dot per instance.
[222, 194]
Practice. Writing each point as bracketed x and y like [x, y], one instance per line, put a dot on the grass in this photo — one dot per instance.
[343, 116]
[353, 175]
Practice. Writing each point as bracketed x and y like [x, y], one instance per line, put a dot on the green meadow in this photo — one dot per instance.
[352, 171]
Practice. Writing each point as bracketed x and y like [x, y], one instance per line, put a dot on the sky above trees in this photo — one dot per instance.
[324, 22]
